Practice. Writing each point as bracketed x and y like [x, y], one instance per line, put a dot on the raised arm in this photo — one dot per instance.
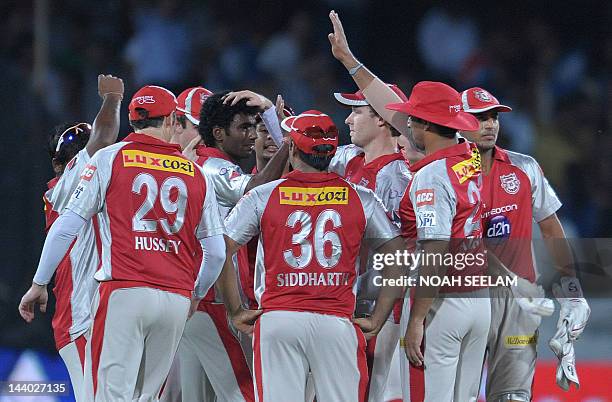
[374, 89]
[106, 125]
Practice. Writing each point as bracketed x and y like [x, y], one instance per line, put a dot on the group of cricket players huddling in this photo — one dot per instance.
[178, 276]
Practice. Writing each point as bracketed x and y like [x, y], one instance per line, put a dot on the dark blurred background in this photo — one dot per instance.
[551, 62]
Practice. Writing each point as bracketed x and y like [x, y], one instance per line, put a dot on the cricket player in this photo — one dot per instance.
[515, 193]
[311, 224]
[156, 211]
[211, 360]
[442, 210]
[71, 148]
[374, 161]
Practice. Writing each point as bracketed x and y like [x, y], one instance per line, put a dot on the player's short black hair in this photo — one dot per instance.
[146, 121]
[216, 114]
[442, 131]
[317, 161]
[394, 132]
[74, 140]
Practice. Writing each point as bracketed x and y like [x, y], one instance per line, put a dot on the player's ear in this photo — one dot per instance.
[218, 133]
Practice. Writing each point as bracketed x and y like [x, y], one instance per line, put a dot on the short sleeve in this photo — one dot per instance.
[69, 181]
[434, 202]
[342, 157]
[211, 223]
[379, 228]
[89, 195]
[228, 179]
[242, 223]
[543, 198]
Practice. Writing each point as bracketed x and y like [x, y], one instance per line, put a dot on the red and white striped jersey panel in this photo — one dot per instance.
[74, 281]
[310, 226]
[153, 206]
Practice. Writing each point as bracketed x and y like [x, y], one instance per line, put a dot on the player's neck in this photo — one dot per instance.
[378, 148]
[152, 132]
[302, 166]
[434, 143]
[486, 158]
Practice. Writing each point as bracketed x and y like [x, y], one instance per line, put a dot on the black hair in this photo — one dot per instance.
[442, 131]
[319, 162]
[215, 113]
[74, 141]
[394, 132]
[146, 121]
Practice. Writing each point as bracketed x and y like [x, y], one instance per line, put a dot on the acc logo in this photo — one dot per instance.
[468, 167]
[483, 96]
[425, 197]
[426, 219]
[510, 183]
[88, 172]
[520, 341]
[313, 196]
[141, 100]
[149, 160]
[498, 227]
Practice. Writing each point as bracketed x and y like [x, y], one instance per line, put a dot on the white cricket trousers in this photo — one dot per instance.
[456, 330]
[134, 338]
[287, 344]
[380, 351]
[212, 362]
[73, 355]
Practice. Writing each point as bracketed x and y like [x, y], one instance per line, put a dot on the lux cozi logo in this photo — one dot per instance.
[149, 160]
[313, 196]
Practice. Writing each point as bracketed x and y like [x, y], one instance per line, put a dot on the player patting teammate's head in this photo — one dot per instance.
[434, 109]
[228, 128]
[314, 139]
[65, 142]
[364, 123]
[485, 107]
[188, 114]
[152, 110]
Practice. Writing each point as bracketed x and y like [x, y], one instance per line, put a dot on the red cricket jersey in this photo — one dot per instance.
[154, 206]
[443, 203]
[310, 228]
[515, 193]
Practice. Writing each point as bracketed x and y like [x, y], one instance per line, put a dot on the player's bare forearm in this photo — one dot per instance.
[557, 244]
[105, 128]
[273, 170]
[228, 282]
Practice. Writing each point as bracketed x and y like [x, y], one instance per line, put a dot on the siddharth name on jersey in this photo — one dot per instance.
[313, 279]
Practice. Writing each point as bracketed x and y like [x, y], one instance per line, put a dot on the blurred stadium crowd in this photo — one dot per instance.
[554, 67]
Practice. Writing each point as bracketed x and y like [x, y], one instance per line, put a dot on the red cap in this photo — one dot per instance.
[478, 100]
[190, 103]
[312, 128]
[156, 100]
[358, 99]
[438, 103]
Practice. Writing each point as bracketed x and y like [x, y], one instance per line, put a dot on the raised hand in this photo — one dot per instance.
[108, 84]
[253, 99]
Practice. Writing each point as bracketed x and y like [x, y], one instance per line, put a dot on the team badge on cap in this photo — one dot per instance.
[478, 100]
